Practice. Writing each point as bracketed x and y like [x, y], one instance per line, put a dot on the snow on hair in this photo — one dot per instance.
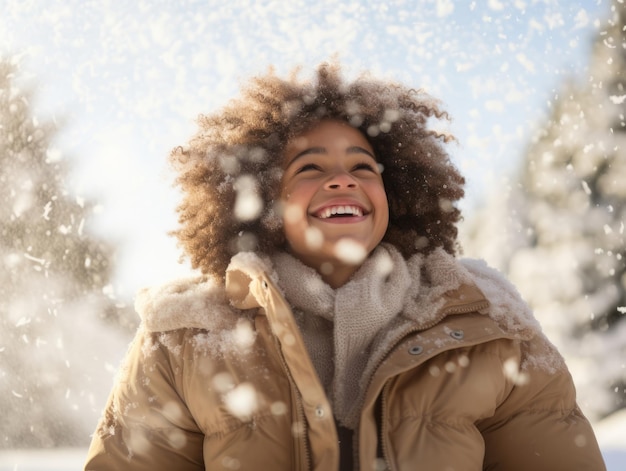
[244, 142]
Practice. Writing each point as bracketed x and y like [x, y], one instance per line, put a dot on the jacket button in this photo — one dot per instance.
[457, 334]
[319, 412]
[416, 350]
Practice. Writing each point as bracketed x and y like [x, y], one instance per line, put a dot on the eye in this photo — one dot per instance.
[364, 166]
[308, 167]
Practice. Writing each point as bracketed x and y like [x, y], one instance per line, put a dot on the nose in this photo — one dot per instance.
[341, 181]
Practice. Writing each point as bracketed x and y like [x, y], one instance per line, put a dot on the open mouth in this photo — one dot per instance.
[340, 211]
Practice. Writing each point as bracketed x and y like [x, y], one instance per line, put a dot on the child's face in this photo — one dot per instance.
[333, 193]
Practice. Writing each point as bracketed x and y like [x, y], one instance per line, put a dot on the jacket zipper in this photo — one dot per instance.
[383, 426]
[454, 310]
[301, 416]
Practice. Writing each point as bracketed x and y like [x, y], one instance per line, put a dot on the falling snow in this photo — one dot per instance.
[123, 86]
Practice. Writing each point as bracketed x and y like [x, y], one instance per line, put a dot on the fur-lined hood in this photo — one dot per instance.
[202, 302]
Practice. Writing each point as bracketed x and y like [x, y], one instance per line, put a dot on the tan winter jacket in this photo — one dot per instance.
[462, 379]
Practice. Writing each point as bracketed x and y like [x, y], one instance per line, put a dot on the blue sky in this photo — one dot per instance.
[127, 80]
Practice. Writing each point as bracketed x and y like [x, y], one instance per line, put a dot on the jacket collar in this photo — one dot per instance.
[424, 287]
[441, 285]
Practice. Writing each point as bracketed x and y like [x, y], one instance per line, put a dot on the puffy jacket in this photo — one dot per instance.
[220, 378]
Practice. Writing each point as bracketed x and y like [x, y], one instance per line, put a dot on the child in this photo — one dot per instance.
[334, 328]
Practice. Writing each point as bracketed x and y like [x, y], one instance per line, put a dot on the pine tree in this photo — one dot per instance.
[53, 310]
[573, 195]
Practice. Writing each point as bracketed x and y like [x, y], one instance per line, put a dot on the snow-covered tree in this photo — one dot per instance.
[573, 211]
[55, 306]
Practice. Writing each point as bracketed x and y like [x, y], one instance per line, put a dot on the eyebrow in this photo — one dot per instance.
[323, 150]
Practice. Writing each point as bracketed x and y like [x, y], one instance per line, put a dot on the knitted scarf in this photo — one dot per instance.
[339, 326]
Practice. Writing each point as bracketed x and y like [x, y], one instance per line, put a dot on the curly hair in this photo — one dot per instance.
[236, 157]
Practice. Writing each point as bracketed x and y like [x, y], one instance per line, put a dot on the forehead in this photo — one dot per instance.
[327, 134]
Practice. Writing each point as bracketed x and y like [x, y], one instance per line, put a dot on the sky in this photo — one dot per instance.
[126, 81]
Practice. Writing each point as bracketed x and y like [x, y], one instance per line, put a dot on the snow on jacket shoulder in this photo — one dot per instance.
[196, 377]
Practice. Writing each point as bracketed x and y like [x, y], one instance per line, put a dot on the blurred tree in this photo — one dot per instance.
[572, 203]
[55, 306]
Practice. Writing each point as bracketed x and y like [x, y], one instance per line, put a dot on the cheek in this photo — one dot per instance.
[294, 209]
[382, 209]
[298, 195]
[379, 198]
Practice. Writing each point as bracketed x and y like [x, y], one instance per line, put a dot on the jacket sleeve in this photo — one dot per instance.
[539, 426]
[146, 424]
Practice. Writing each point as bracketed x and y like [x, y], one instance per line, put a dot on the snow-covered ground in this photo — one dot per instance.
[611, 434]
[54, 459]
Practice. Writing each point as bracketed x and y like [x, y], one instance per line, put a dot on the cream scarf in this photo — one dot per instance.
[339, 326]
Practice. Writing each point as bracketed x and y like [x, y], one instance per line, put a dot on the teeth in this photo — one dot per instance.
[352, 210]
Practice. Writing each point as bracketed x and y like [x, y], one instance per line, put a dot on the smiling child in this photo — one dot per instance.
[333, 327]
[333, 192]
